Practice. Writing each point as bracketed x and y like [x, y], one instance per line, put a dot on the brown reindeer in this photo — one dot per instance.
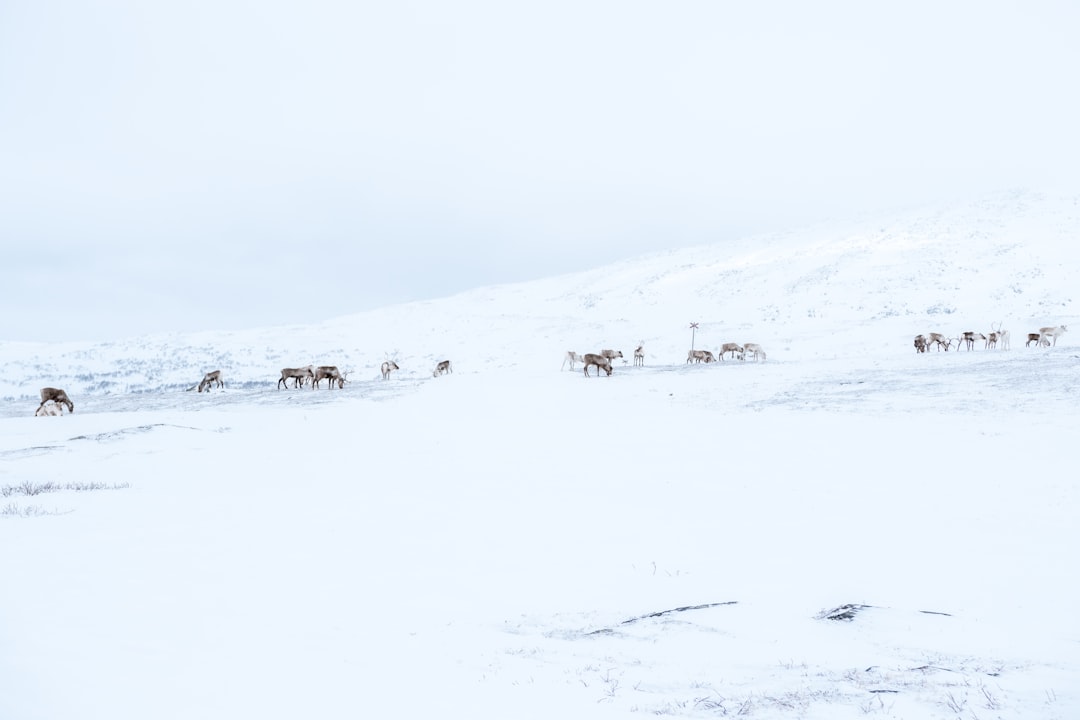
[387, 368]
[331, 373]
[443, 368]
[57, 397]
[920, 343]
[1038, 339]
[572, 358]
[599, 361]
[699, 356]
[297, 375]
[211, 379]
[997, 337]
[970, 337]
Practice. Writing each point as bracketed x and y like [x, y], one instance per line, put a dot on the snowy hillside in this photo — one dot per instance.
[1009, 259]
[846, 529]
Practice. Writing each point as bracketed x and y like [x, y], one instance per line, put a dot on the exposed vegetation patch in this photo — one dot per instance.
[15, 510]
[30, 489]
[662, 613]
[846, 613]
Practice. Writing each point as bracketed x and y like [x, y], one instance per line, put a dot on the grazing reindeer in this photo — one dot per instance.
[754, 349]
[599, 361]
[387, 367]
[54, 409]
[1038, 339]
[920, 344]
[997, 335]
[698, 356]
[211, 379]
[57, 396]
[639, 356]
[970, 337]
[735, 349]
[571, 357]
[939, 340]
[297, 375]
[442, 368]
[331, 373]
[1047, 333]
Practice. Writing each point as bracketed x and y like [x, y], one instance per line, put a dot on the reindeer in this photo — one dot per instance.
[571, 357]
[443, 368]
[387, 367]
[58, 397]
[920, 343]
[970, 337]
[735, 349]
[599, 361]
[51, 409]
[1047, 333]
[611, 354]
[754, 349]
[1038, 339]
[297, 375]
[698, 356]
[639, 356]
[211, 379]
[940, 341]
[331, 373]
[997, 335]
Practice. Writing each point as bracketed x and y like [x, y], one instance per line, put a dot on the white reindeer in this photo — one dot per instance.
[639, 355]
[1054, 333]
[52, 409]
[940, 341]
[698, 356]
[736, 350]
[387, 368]
[996, 336]
[755, 350]
[572, 358]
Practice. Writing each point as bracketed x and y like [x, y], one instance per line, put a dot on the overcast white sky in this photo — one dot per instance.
[219, 164]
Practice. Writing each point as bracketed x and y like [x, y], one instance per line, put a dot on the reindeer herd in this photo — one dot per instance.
[603, 360]
[997, 339]
[54, 400]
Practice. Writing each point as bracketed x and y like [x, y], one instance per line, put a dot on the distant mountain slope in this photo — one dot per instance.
[867, 285]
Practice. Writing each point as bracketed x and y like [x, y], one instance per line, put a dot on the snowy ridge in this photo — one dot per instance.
[1009, 259]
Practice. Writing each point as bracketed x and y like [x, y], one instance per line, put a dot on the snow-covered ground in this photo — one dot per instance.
[514, 540]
